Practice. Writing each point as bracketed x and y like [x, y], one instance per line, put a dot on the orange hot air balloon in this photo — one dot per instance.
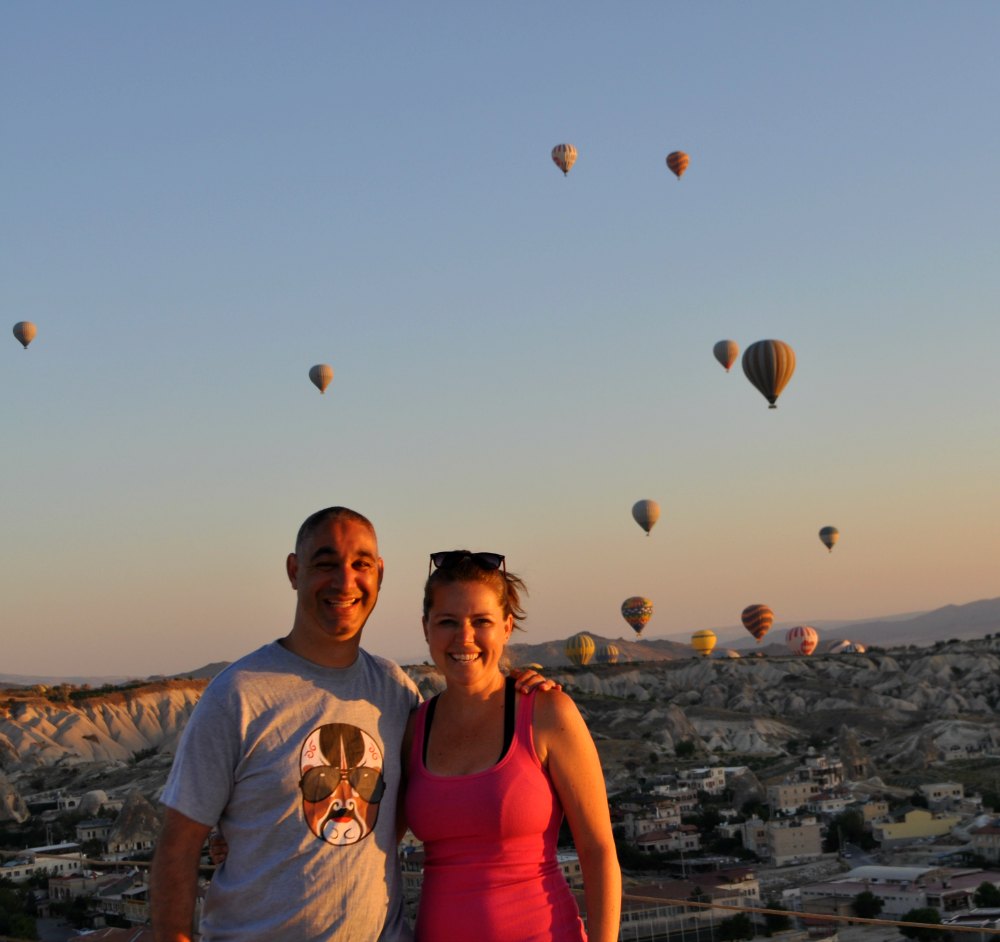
[829, 536]
[25, 332]
[726, 352]
[757, 619]
[802, 640]
[703, 642]
[637, 611]
[321, 374]
[646, 513]
[678, 162]
[564, 156]
[769, 365]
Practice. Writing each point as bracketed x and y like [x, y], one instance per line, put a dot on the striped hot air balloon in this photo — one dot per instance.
[757, 619]
[802, 640]
[678, 162]
[321, 374]
[726, 352]
[703, 642]
[608, 654]
[637, 611]
[580, 649]
[564, 156]
[769, 365]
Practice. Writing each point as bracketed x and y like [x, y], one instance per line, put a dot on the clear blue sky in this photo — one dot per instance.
[201, 201]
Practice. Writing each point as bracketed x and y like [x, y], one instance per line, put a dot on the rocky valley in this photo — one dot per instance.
[894, 714]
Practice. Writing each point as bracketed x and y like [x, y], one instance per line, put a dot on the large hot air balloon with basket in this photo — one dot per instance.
[637, 611]
[678, 162]
[757, 619]
[321, 374]
[646, 513]
[769, 365]
[608, 654]
[802, 640]
[564, 156]
[703, 642]
[580, 649]
[25, 332]
[829, 536]
[726, 352]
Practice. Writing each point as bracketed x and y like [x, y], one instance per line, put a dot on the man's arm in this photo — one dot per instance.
[173, 882]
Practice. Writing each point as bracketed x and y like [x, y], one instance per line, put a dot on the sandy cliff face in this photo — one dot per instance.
[36, 732]
[898, 710]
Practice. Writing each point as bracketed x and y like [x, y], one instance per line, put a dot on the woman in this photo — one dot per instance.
[491, 773]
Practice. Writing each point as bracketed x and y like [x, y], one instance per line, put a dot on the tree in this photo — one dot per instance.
[736, 927]
[986, 895]
[685, 749]
[921, 933]
[848, 826]
[867, 905]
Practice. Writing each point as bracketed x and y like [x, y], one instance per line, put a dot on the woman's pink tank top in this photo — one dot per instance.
[490, 871]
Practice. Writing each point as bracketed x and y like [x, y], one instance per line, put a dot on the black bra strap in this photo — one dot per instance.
[509, 703]
[427, 723]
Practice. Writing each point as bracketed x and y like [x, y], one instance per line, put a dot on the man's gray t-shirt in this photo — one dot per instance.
[300, 766]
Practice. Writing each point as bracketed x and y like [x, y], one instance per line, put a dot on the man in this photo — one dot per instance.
[294, 750]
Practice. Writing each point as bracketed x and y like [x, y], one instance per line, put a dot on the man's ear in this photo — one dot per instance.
[292, 568]
[381, 571]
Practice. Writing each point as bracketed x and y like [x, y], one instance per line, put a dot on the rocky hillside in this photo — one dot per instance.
[44, 728]
[887, 712]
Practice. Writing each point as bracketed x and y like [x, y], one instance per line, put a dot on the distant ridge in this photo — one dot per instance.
[950, 622]
[202, 673]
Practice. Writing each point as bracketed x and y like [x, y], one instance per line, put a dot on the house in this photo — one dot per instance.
[682, 837]
[917, 823]
[828, 804]
[789, 797]
[986, 840]
[899, 888]
[54, 859]
[710, 779]
[794, 840]
[942, 794]
[650, 815]
[93, 829]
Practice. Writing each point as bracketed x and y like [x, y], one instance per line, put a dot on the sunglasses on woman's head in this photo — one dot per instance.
[451, 557]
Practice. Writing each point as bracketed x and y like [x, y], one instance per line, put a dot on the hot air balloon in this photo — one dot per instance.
[608, 654]
[321, 374]
[757, 619]
[637, 611]
[726, 352]
[646, 513]
[769, 365]
[25, 332]
[703, 642]
[848, 647]
[802, 640]
[829, 536]
[564, 156]
[580, 648]
[678, 162]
